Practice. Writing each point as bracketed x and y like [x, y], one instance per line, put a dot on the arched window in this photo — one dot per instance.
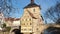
[34, 10]
[16, 31]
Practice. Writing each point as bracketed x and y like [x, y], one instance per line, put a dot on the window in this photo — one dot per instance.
[37, 29]
[27, 16]
[24, 29]
[34, 10]
[30, 29]
[27, 23]
[22, 23]
[26, 19]
[30, 23]
[30, 19]
[21, 29]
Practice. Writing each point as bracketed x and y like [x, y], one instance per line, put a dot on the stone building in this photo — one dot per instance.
[16, 22]
[15, 26]
[9, 21]
[31, 19]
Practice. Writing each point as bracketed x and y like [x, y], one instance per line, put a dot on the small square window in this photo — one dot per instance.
[37, 29]
[26, 19]
[30, 19]
[30, 23]
[23, 24]
[30, 29]
[21, 29]
[24, 29]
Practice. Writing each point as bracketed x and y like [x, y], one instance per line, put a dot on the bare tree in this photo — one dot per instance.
[6, 7]
[53, 13]
[52, 30]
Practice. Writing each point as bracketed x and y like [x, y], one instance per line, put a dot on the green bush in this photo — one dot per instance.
[8, 28]
[3, 25]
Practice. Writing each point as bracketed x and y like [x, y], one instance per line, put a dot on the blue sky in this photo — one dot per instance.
[45, 4]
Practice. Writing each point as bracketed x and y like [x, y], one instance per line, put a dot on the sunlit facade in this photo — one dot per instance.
[31, 19]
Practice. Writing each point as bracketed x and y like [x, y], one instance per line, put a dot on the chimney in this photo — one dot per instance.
[32, 1]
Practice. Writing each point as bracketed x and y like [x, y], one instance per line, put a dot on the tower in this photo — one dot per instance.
[31, 19]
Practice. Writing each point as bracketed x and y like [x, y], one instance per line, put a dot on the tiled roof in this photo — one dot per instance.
[16, 19]
[12, 19]
[9, 19]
